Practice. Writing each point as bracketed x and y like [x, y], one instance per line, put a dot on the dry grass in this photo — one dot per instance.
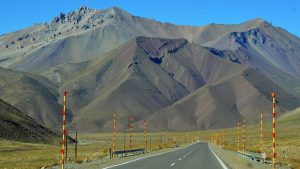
[96, 145]
[91, 146]
[287, 139]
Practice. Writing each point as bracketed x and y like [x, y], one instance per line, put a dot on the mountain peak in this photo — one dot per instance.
[76, 15]
[116, 8]
[84, 8]
[119, 12]
[256, 22]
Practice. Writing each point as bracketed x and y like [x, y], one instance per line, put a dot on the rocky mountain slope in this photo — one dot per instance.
[15, 125]
[85, 34]
[34, 95]
[178, 77]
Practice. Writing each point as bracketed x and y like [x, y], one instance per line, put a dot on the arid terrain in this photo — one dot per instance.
[111, 61]
[186, 83]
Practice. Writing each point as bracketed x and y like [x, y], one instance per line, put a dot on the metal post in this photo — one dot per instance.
[238, 147]
[114, 136]
[76, 145]
[131, 130]
[64, 131]
[223, 138]
[145, 134]
[146, 143]
[261, 132]
[66, 158]
[273, 131]
[244, 133]
[150, 143]
[124, 140]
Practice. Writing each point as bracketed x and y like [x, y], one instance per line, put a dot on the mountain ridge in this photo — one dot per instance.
[110, 60]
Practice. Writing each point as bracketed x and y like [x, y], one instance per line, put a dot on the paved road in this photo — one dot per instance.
[196, 156]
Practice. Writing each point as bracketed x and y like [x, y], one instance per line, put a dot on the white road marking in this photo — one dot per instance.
[220, 161]
[179, 159]
[146, 157]
[172, 164]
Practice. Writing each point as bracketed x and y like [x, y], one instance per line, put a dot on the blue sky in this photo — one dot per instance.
[18, 14]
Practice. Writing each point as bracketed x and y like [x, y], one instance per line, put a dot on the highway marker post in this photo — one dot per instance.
[66, 145]
[223, 139]
[244, 133]
[114, 136]
[238, 146]
[261, 132]
[124, 141]
[273, 129]
[145, 141]
[150, 142]
[75, 145]
[131, 131]
[64, 132]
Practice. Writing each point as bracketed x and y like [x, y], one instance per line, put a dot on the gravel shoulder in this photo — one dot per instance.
[106, 162]
[230, 158]
[233, 161]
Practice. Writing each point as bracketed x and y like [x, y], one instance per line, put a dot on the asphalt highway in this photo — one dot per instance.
[196, 156]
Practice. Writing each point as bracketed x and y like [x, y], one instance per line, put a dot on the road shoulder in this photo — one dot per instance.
[233, 161]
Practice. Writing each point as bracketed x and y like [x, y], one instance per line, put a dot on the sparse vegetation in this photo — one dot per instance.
[96, 145]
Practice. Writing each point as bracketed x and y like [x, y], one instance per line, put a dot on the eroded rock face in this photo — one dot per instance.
[83, 51]
[156, 48]
[253, 35]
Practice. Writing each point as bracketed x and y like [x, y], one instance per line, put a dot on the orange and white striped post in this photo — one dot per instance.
[261, 132]
[244, 133]
[223, 138]
[114, 136]
[238, 137]
[273, 131]
[145, 141]
[131, 130]
[64, 132]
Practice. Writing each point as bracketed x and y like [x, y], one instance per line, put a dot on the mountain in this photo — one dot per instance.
[34, 95]
[293, 116]
[177, 77]
[167, 79]
[272, 50]
[224, 103]
[15, 125]
[85, 34]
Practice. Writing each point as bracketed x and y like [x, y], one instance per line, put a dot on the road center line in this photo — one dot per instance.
[147, 157]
